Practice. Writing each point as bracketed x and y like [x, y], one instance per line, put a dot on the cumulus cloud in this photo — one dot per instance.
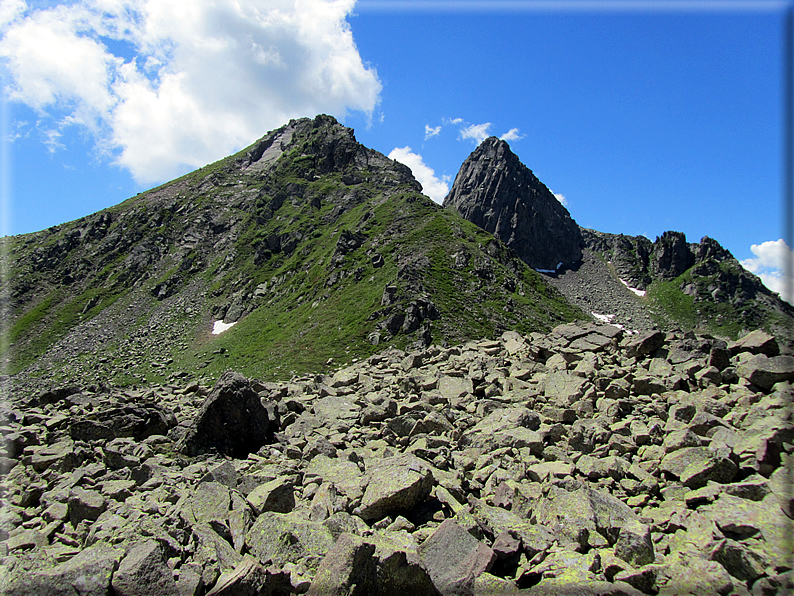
[168, 85]
[512, 135]
[476, 132]
[10, 10]
[479, 132]
[770, 263]
[431, 132]
[434, 187]
[560, 197]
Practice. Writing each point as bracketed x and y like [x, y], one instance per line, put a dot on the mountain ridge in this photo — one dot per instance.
[668, 283]
[313, 245]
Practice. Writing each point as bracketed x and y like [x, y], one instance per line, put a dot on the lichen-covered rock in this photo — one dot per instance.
[454, 558]
[395, 484]
[358, 566]
[286, 537]
[144, 572]
[88, 573]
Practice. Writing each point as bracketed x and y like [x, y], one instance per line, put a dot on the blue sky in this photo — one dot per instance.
[641, 116]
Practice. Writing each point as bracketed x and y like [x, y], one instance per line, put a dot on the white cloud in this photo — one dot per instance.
[770, 263]
[433, 187]
[512, 135]
[476, 132]
[479, 132]
[560, 197]
[431, 132]
[10, 10]
[190, 80]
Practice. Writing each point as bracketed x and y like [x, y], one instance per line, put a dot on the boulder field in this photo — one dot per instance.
[584, 461]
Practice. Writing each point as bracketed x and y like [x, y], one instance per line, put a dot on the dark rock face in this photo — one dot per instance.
[494, 190]
[671, 256]
[232, 421]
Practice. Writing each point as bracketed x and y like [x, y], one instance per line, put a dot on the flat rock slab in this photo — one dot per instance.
[765, 371]
[454, 558]
[88, 573]
[756, 342]
[395, 484]
[345, 475]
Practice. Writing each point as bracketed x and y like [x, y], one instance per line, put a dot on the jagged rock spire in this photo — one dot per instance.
[494, 190]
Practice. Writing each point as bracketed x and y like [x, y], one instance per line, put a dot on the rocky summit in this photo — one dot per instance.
[583, 461]
[494, 190]
[631, 281]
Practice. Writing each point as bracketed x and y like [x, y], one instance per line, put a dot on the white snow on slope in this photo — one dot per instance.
[603, 318]
[608, 320]
[640, 293]
[219, 327]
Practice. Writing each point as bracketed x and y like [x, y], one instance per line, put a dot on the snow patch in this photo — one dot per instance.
[608, 320]
[640, 293]
[219, 327]
[603, 318]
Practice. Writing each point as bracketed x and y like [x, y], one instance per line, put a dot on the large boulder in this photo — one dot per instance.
[88, 573]
[395, 484]
[765, 371]
[232, 421]
[144, 572]
[137, 420]
[369, 566]
[286, 537]
[454, 558]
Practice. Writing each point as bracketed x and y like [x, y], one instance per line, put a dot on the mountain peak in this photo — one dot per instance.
[497, 192]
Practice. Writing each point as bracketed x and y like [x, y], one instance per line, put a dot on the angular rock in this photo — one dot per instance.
[137, 420]
[756, 342]
[232, 421]
[277, 495]
[88, 573]
[765, 371]
[358, 566]
[144, 572]
[395, 484]
[85, 504]
[740, 561]
[634, 544]
[285, 537]
[249, 578]
[454, 558]
[582, 515]
[643, 343]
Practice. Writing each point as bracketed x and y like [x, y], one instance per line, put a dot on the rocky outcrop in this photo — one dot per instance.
[494, 190]
[711, 289]
[307, 221]
[587, 460]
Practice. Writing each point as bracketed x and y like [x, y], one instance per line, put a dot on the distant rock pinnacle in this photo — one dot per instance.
[494, 190]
